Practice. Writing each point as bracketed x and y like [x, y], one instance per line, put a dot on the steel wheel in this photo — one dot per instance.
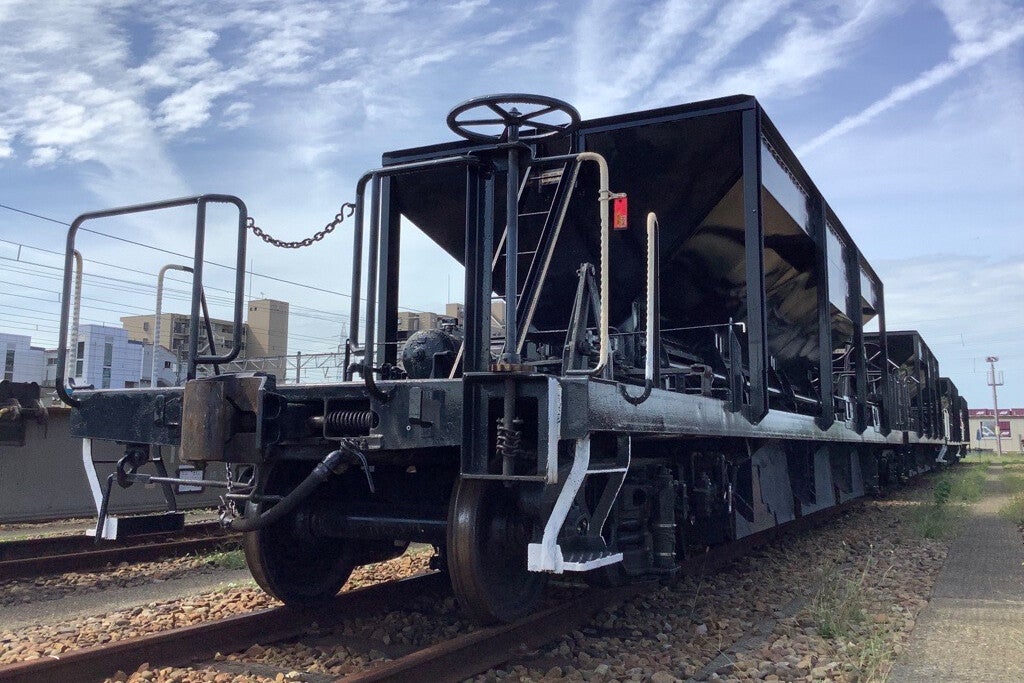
[296, 568]
[487, 545]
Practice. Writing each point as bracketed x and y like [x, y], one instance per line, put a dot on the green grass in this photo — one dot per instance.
[838, 606]
[839, 610]
[227, 559]
[991, 458]
[966, 484]
[951, 491]
[1014, 509]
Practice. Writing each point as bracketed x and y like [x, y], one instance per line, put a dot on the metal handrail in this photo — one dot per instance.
[200, 202]
[604, 197]
[372, 265]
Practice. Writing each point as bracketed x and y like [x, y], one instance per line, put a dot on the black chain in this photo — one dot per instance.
[328, 229]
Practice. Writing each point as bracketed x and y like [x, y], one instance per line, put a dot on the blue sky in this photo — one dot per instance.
[907, 115]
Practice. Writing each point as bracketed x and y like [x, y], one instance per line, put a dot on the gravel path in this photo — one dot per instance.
[978, 603]
[760, 618]
[106, 580]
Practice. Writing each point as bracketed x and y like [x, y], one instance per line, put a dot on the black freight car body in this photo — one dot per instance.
[670, 342]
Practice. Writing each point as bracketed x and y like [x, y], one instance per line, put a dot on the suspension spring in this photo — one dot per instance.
[350, 422]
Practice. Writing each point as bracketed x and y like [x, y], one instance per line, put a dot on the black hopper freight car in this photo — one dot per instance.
[670, 342]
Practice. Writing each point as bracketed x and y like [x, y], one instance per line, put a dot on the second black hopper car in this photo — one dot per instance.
[670, 342]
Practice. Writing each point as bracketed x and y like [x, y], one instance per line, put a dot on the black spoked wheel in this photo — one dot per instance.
[296, 568]
[489, 118]
[487, 546]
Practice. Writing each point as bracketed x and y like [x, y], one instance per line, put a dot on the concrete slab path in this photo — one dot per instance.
[973, 627]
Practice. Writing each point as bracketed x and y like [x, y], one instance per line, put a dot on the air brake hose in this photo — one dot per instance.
[336, 463]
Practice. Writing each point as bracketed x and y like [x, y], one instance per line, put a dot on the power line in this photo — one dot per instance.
[170, 292]
[190, 258]
[208, 288]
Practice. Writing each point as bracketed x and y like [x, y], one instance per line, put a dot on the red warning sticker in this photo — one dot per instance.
[620, 209]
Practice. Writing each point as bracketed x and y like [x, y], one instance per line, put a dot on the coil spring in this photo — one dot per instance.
[509, 442]
[350, 422]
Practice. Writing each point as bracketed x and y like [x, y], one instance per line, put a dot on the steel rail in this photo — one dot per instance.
[462, 657]
[181, 646]
[58, 554]
[473, 653]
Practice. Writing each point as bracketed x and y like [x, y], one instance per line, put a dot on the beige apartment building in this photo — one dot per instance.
[264, 333]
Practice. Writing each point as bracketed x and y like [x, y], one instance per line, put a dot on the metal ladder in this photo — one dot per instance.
[533, 209]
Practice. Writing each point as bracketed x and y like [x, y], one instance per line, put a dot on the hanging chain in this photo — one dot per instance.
[328, 229]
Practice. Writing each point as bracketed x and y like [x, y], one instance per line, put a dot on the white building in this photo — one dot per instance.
[168, 373]
[105, 359]
[21, 362]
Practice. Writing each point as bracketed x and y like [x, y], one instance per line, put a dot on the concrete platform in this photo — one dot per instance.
[973, 627]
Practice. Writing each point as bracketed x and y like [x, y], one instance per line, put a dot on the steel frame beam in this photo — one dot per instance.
[826, 387]
[757, 325]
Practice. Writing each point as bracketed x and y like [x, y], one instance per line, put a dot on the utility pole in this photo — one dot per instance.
[994, 381]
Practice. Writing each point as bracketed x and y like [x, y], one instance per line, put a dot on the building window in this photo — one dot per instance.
[130, 385]
[9, 366]
[145, 327]
[51, 361]
[108, 359]
[167, 365]
[79, 359]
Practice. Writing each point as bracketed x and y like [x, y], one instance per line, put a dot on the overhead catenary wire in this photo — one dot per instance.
[209, 288]
[186, 256]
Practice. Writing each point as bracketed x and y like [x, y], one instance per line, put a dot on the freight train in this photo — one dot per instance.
[670, 342]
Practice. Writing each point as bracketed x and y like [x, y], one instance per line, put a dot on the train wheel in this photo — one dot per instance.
[487, 542]
[295, 567]
[298, 570]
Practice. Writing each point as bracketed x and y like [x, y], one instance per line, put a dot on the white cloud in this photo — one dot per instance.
[982, 33]
[814, 44]
[5, 144]
[965, 309]
[237, 114]
[85, 109]
[733, 25]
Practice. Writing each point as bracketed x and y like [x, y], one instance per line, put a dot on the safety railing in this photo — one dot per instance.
[194, 359]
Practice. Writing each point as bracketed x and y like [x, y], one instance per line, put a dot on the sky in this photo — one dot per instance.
[907, 114]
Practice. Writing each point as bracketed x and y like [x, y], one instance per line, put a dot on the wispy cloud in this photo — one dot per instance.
[975, 318]
[981, 34]
[816, 40]
[84, 110]
[676, 52]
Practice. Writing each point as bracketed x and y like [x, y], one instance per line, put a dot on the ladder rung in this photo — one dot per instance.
[535, 213]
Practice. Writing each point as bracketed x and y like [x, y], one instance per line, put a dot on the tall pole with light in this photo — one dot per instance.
[994, 381]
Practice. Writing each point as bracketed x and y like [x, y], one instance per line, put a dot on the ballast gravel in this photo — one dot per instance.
[58, 638]
[122, 575]
[758, 619]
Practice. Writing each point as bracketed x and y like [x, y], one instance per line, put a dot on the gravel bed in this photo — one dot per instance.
[354, 645]
[55, 639]
[759, 619]
[122, 575]
[779, 594]
[770, 616]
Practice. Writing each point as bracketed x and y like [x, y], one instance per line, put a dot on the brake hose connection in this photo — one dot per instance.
[336, 463]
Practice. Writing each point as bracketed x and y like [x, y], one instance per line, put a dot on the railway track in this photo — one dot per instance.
[450, 660]
[58, 554]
